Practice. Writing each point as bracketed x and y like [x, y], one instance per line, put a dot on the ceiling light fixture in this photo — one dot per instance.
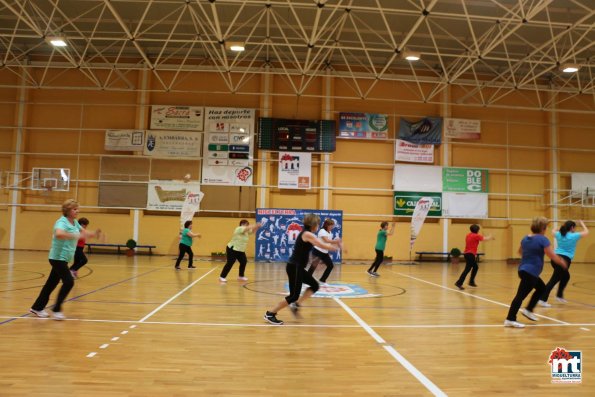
[57, 41]
[570, 67]
[411, 56]
[236, 46]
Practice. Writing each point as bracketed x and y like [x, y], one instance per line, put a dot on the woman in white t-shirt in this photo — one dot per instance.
[320, 254]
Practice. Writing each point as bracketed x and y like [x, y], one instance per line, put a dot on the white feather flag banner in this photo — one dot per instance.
[191, 205]
[419, 216]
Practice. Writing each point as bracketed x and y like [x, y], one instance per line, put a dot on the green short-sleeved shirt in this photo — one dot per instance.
[239, 240]
[186, 239]
[63, 250]
[381, 240]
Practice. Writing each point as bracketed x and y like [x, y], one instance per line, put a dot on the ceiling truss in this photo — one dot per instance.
[491, 48]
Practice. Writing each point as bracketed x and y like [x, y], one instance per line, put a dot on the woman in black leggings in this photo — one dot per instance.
[296, 269]
[532, 249]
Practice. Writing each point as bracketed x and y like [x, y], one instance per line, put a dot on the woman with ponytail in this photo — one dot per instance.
[567, 238]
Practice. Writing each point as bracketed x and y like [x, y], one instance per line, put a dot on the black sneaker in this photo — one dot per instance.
[459, 286]
[177, 267]
[191, 267]
[272, 318]
[472, 285]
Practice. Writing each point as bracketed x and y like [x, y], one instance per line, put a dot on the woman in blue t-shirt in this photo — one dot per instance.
[532, 249]
[567, 239]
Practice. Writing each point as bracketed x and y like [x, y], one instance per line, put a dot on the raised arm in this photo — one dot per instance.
[252, 228]
[488, 237]
[549, 251]
[391, 231]
[193, 234]
[585, 230]
[312, 239]
[90, 233]
[62, 234]
[337, 241]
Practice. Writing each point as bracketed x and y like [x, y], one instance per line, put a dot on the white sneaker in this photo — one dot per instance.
[513, 324]
[242, 278]
[530, 315]
[561, 300]
[223, 280]
[58, 316]
[39, 313]
[544, 304]
[323, 283]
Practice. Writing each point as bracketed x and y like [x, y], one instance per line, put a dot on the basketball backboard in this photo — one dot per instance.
[56, 179]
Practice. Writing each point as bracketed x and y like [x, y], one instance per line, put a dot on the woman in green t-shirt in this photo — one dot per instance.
[186, 245]
[236, 249]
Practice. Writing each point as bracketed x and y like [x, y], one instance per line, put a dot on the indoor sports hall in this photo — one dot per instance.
[297, 198]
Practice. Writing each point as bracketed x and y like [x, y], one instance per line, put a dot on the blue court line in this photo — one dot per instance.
[88, 293]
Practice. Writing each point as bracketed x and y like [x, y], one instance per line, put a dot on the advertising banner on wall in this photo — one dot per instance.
[464, 180]
[415, 178]
[125, 140]
[280, 227]
[427, 131]
[363, 125]
[169, 195]
[295, 170]
[228, 147]
[186, 118]
[412, 153]
[465, 205]
[462, 128]
[404, 203]
[173, 144]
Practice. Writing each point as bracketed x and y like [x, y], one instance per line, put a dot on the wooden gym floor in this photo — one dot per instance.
[136, 327]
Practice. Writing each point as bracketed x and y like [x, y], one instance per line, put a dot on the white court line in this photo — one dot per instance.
[239, 325]
[123, 332]
[393, 352]
[476, 296]
[92, 354]
[115, 338]
[142, 320]
[585, 329]
[104, 346]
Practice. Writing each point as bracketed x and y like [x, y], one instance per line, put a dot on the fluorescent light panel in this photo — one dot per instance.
[236, 46]
[570, 68]
[57, 41]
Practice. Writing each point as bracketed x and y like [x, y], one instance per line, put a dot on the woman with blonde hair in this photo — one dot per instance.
[296, 269]
[67, 232]
[532, 249]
